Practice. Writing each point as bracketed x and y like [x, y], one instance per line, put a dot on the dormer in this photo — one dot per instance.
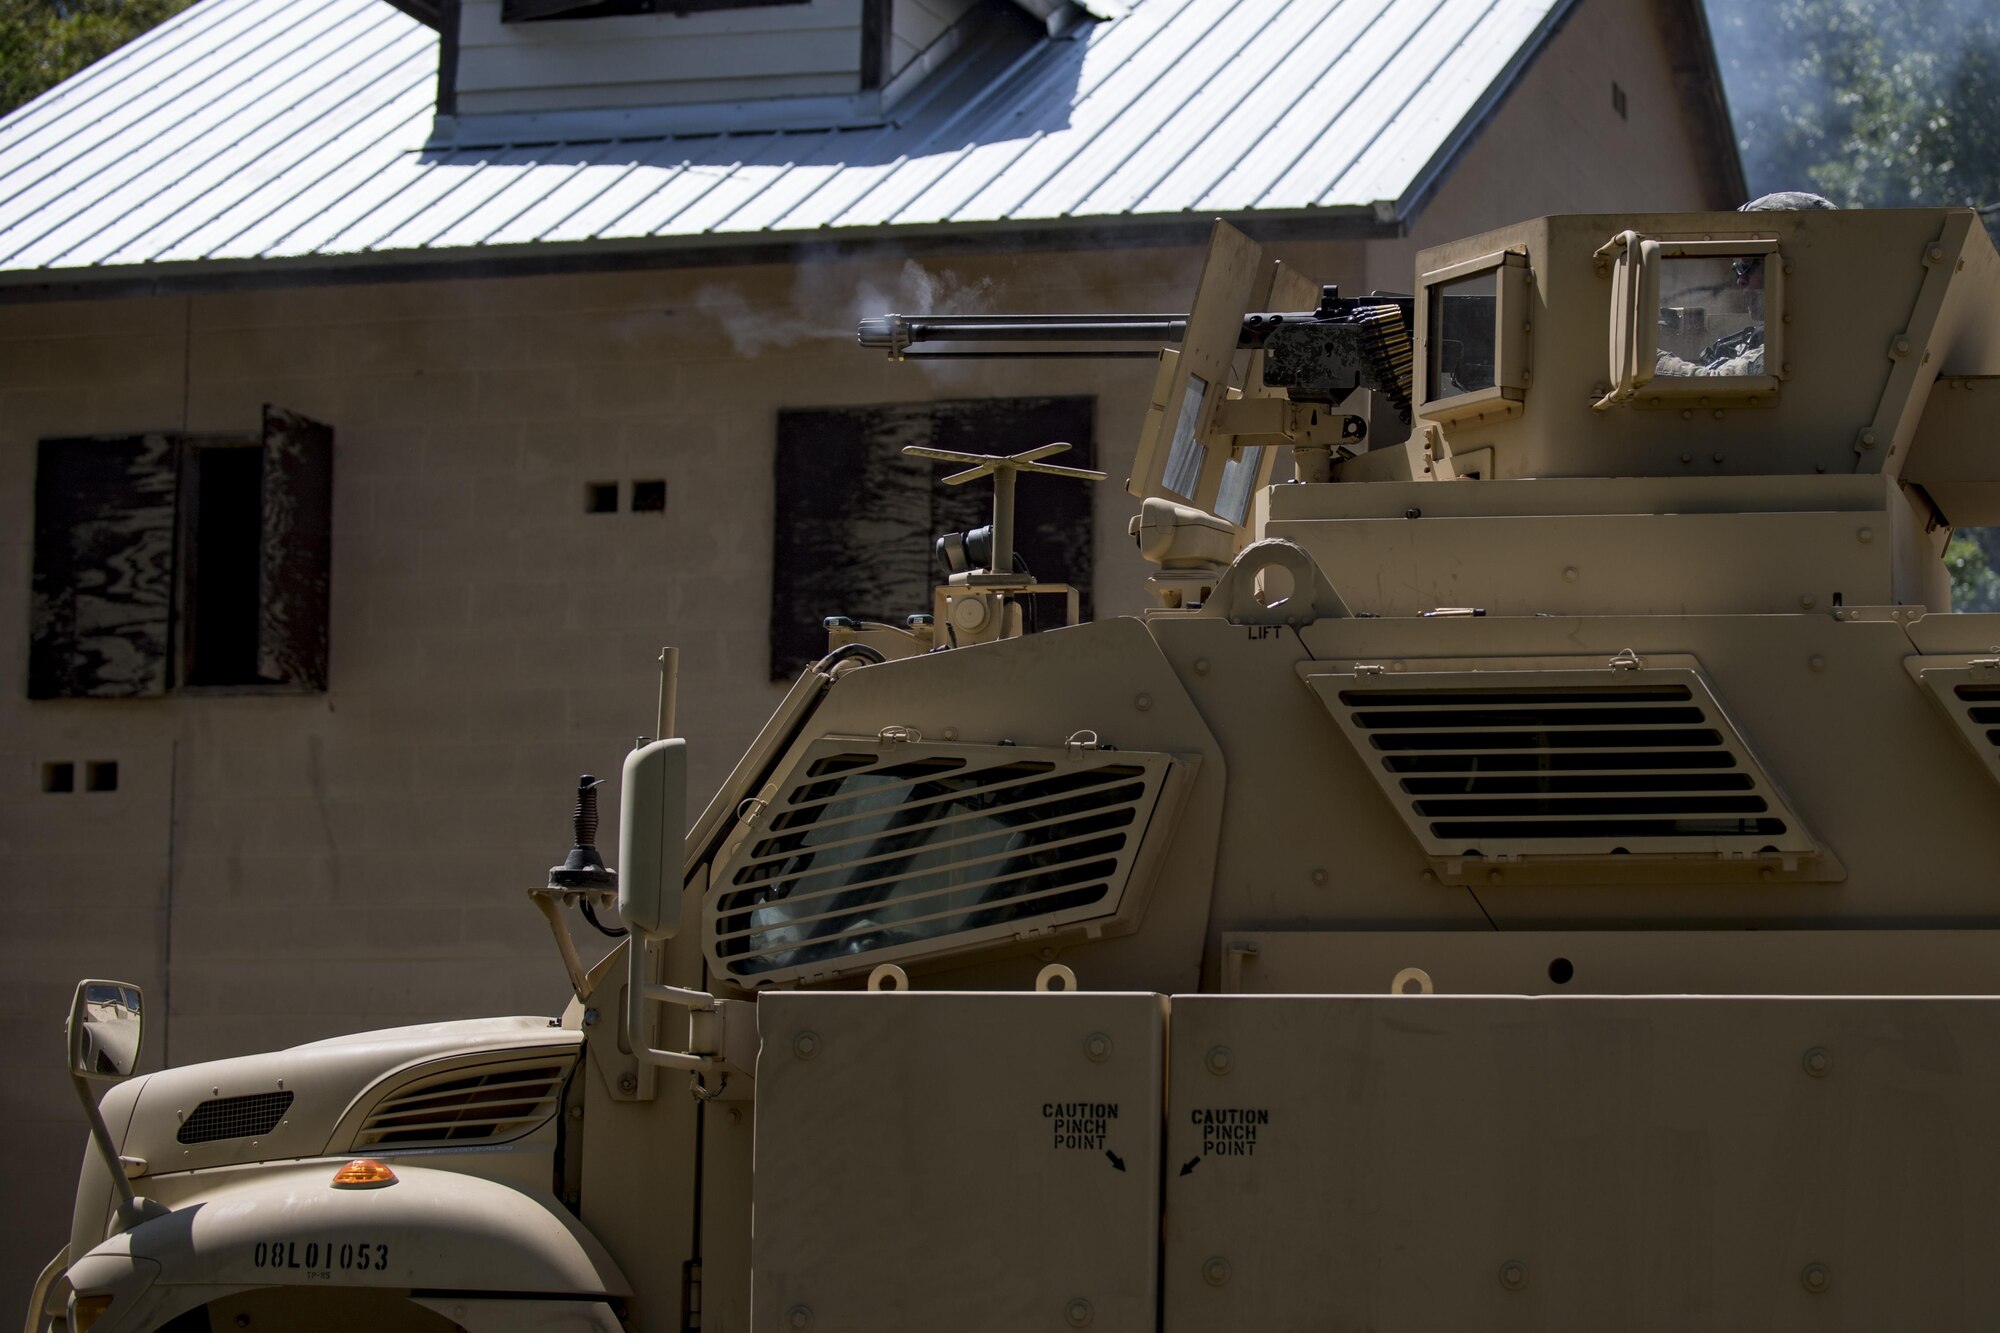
[524, 71]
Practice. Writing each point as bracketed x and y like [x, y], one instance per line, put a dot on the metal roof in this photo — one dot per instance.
[268, 133]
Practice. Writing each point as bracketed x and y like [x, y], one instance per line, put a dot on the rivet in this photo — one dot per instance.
[1570, 575]
[1492, 877]
[1935, 253]
[1216, 1271]
[1428, 876]
[1142, 702]
[799, 1316]
[1867, 439]
[735, 1116]
[1513, 1275]
[1902, 347]
[1865, 536]
[1815, 1278]
[806, 1045]
[1808, 601]
[1687, 458]
[1816, 663]
[576, 1113]
[1766, 874]
[1078, 1313]
[1319, 878]
[1201, 666]
[1817, 1061]
[1097, 1046]
[590, 1018]
[950, 733]
[1687, 414]
[1220, 1060]
[628, 1083]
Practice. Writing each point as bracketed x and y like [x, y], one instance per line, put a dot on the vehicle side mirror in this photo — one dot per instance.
[106, 1023]
[652, 836]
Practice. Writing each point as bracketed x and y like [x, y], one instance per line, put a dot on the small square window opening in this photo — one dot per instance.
[600, 497]
[58, 777]
[100, 775]
[649, 497]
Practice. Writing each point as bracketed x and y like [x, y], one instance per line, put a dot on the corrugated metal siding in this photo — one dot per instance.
[280, 130]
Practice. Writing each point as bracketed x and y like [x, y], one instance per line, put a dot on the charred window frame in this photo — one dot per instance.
[1473, 346]
[165, 562]
[856, 518]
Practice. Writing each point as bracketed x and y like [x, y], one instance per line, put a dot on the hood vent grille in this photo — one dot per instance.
[1594, 763]
[247, 1117]
[873, 850]
[1967, 690]
[482, 1104]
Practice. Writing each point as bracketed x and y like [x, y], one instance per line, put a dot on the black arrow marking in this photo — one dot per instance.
[1117, 1162]
[1192, 1163]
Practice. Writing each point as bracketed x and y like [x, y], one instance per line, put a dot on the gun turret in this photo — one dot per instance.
[1320, 355]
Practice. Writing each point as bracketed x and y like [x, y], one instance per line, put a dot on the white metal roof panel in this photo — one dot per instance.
[296, 131]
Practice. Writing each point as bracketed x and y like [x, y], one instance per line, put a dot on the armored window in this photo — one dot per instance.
[856, 518]
[1473, 323]
[163, 561]
[872, 850]
[1693, 319]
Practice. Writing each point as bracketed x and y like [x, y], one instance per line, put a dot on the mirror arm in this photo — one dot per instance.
[131, 1208]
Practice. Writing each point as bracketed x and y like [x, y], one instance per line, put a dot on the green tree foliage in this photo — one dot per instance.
[1873, 103]
[1973, 559]
[43, 42]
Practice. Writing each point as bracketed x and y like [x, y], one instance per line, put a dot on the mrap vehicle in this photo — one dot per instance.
[1535, 865]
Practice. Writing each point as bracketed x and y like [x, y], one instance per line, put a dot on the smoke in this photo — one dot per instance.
[826, 303]
[1871, 102]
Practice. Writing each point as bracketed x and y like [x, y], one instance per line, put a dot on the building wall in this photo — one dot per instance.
[277, 868]
[1558, 145]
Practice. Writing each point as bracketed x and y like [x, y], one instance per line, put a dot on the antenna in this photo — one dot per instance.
[1003, 469]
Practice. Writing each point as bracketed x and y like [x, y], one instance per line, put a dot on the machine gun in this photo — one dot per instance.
[1320, 356]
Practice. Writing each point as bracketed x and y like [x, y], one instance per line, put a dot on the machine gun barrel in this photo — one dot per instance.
[896, 333]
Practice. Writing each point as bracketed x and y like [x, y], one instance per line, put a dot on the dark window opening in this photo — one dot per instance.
[600, 497]
[649, 497]
[857, 517]
[164, 560]
[100, 775]
[58, 778]
[1618, 101]
[226, 526]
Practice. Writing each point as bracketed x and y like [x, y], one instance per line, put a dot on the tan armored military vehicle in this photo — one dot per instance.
[1536, 866]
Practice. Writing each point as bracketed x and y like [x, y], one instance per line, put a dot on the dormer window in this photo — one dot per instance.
[530, 11]
[529, 71]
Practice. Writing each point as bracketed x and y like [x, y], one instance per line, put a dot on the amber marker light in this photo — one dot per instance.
[88, 1310]
[363, 1173]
